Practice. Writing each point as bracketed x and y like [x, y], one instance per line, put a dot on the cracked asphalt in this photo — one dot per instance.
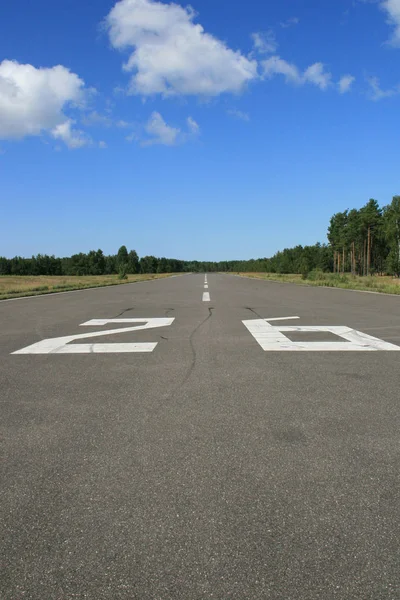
[207, 468]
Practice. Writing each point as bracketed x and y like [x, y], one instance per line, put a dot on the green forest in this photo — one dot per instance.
[363, 241]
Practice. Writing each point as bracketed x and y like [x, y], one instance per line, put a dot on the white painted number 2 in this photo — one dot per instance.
[63, 345]
[273, 339]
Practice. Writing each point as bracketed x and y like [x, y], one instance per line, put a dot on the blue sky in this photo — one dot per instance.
[220, 131]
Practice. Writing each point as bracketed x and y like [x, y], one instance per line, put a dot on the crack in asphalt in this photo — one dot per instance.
[253, 311]
[194, 354]
[123, 312]
[195, 330]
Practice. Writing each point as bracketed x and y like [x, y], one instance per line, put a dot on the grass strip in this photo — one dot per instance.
[380, 284]
[26, 286]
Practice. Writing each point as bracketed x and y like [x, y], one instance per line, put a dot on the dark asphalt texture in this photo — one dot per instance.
[207, 468]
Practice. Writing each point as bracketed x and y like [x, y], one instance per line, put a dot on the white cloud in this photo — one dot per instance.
[377, 93]
[345, 83]
[102, 145]
[156, 131]
[171, 54]
[392, 9]
[314, 74]
[122, 124]
[96, 119]
[277, 66]
[193, 126]
[160, 132]
[264, 43]
[238, 114]
[73, 138]
[290, 22]
[32, 101]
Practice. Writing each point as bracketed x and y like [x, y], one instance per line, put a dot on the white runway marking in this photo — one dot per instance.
[206, 295]
[272, 339]
[96, 349]
[281, 319]
[61, 345]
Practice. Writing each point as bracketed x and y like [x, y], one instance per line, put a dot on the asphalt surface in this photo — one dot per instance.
[207, 468]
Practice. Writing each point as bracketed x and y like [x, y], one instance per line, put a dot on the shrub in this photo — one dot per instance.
[122, 271]
[317, 275]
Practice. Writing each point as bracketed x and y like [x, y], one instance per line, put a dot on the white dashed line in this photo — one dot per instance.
[206, 295]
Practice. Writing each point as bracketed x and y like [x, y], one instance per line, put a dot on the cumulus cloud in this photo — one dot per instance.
[156, 131]
[314, 74]
[33, 100]
[392, 9]
[172, 55]
[377, 93]
[160, 132]
[73, 138]
[264, 43]
[345, 83]
[317, 75]
[278, 66]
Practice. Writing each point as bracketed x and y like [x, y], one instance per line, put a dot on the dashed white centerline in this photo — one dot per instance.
[206, 295]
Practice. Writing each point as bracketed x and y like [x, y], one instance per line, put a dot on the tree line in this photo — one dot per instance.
[362, 241]
[367, 241]
[94, 262]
